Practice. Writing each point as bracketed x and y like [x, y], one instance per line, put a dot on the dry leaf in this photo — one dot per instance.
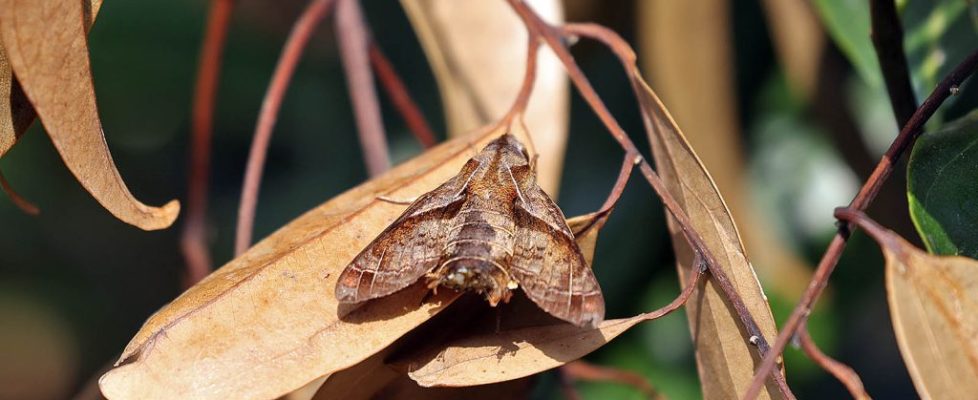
[934, 308]
[724, 359]
[404, 388]
[16, 113]
[799, 41]
[46, 47]
[687, 53]
[267, 323]
[513, 353]
[477, 49]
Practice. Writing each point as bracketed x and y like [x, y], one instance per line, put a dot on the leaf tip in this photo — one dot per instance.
[159, 217]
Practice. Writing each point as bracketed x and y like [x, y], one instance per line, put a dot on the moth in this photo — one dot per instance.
[490, 229]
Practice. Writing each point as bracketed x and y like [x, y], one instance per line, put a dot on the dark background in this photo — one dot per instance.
[76, 284]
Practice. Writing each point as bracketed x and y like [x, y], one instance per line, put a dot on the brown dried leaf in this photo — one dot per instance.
[513, 353]
[934, 306]
[725, 361]
[16, 113]
[46, 47]
[267, 323]
[405, 388]
[477, 49]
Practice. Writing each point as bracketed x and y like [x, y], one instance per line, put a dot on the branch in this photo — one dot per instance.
[193, 239]
[887, 37]
[910, 132]
[842, 372]
[582, 370]
[301, 33]
[354, 41]
[395, 89]
[554, 38]
[23, 204]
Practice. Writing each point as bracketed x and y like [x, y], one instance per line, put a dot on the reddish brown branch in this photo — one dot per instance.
[405, 105]
[354, 41]
[585, 371]
[23, 204]
[887, 37]
[567, 385]
[193, 240]
[627, 57]
[679, 301]
[301, 33]
[842, 372]
[529, 78]
[866, 194]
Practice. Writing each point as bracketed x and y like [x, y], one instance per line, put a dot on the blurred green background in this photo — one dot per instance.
[75, 283]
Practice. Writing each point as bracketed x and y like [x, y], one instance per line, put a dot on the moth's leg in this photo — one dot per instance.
[405, 202]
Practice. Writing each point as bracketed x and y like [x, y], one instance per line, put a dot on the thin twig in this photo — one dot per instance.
[627, 57]
[842, 372]
[301, 33]
[193, 239]
[567, 385]
[354, 41]
[601, 216]
[583, 370]
[23, 204]
[888, 39]
[398, 93]
[684, 296]
[529, 79]
[910, 132]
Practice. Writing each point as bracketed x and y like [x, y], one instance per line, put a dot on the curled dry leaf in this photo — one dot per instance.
[477, 49]
[46, 48]
[725, 361]
[934, 309]
[267, 323]
[16, 113]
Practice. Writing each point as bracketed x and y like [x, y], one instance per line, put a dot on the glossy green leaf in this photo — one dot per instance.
[942, 186]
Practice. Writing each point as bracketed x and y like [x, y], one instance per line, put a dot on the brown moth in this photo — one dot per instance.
[489, 229]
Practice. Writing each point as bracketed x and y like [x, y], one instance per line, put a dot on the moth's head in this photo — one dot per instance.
[511, 148]
[512, 154]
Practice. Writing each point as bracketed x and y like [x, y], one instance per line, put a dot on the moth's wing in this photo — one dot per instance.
[549, 265]
[410, 247]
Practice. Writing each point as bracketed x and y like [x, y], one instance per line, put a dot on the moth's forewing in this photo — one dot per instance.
[549, 265]
[406, 250]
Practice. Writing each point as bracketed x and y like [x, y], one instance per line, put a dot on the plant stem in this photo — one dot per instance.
[354, 41]
[405, 105]
[301, 33]
[193, 239]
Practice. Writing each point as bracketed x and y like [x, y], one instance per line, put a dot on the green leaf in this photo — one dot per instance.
[942, 186]
[848, 24]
